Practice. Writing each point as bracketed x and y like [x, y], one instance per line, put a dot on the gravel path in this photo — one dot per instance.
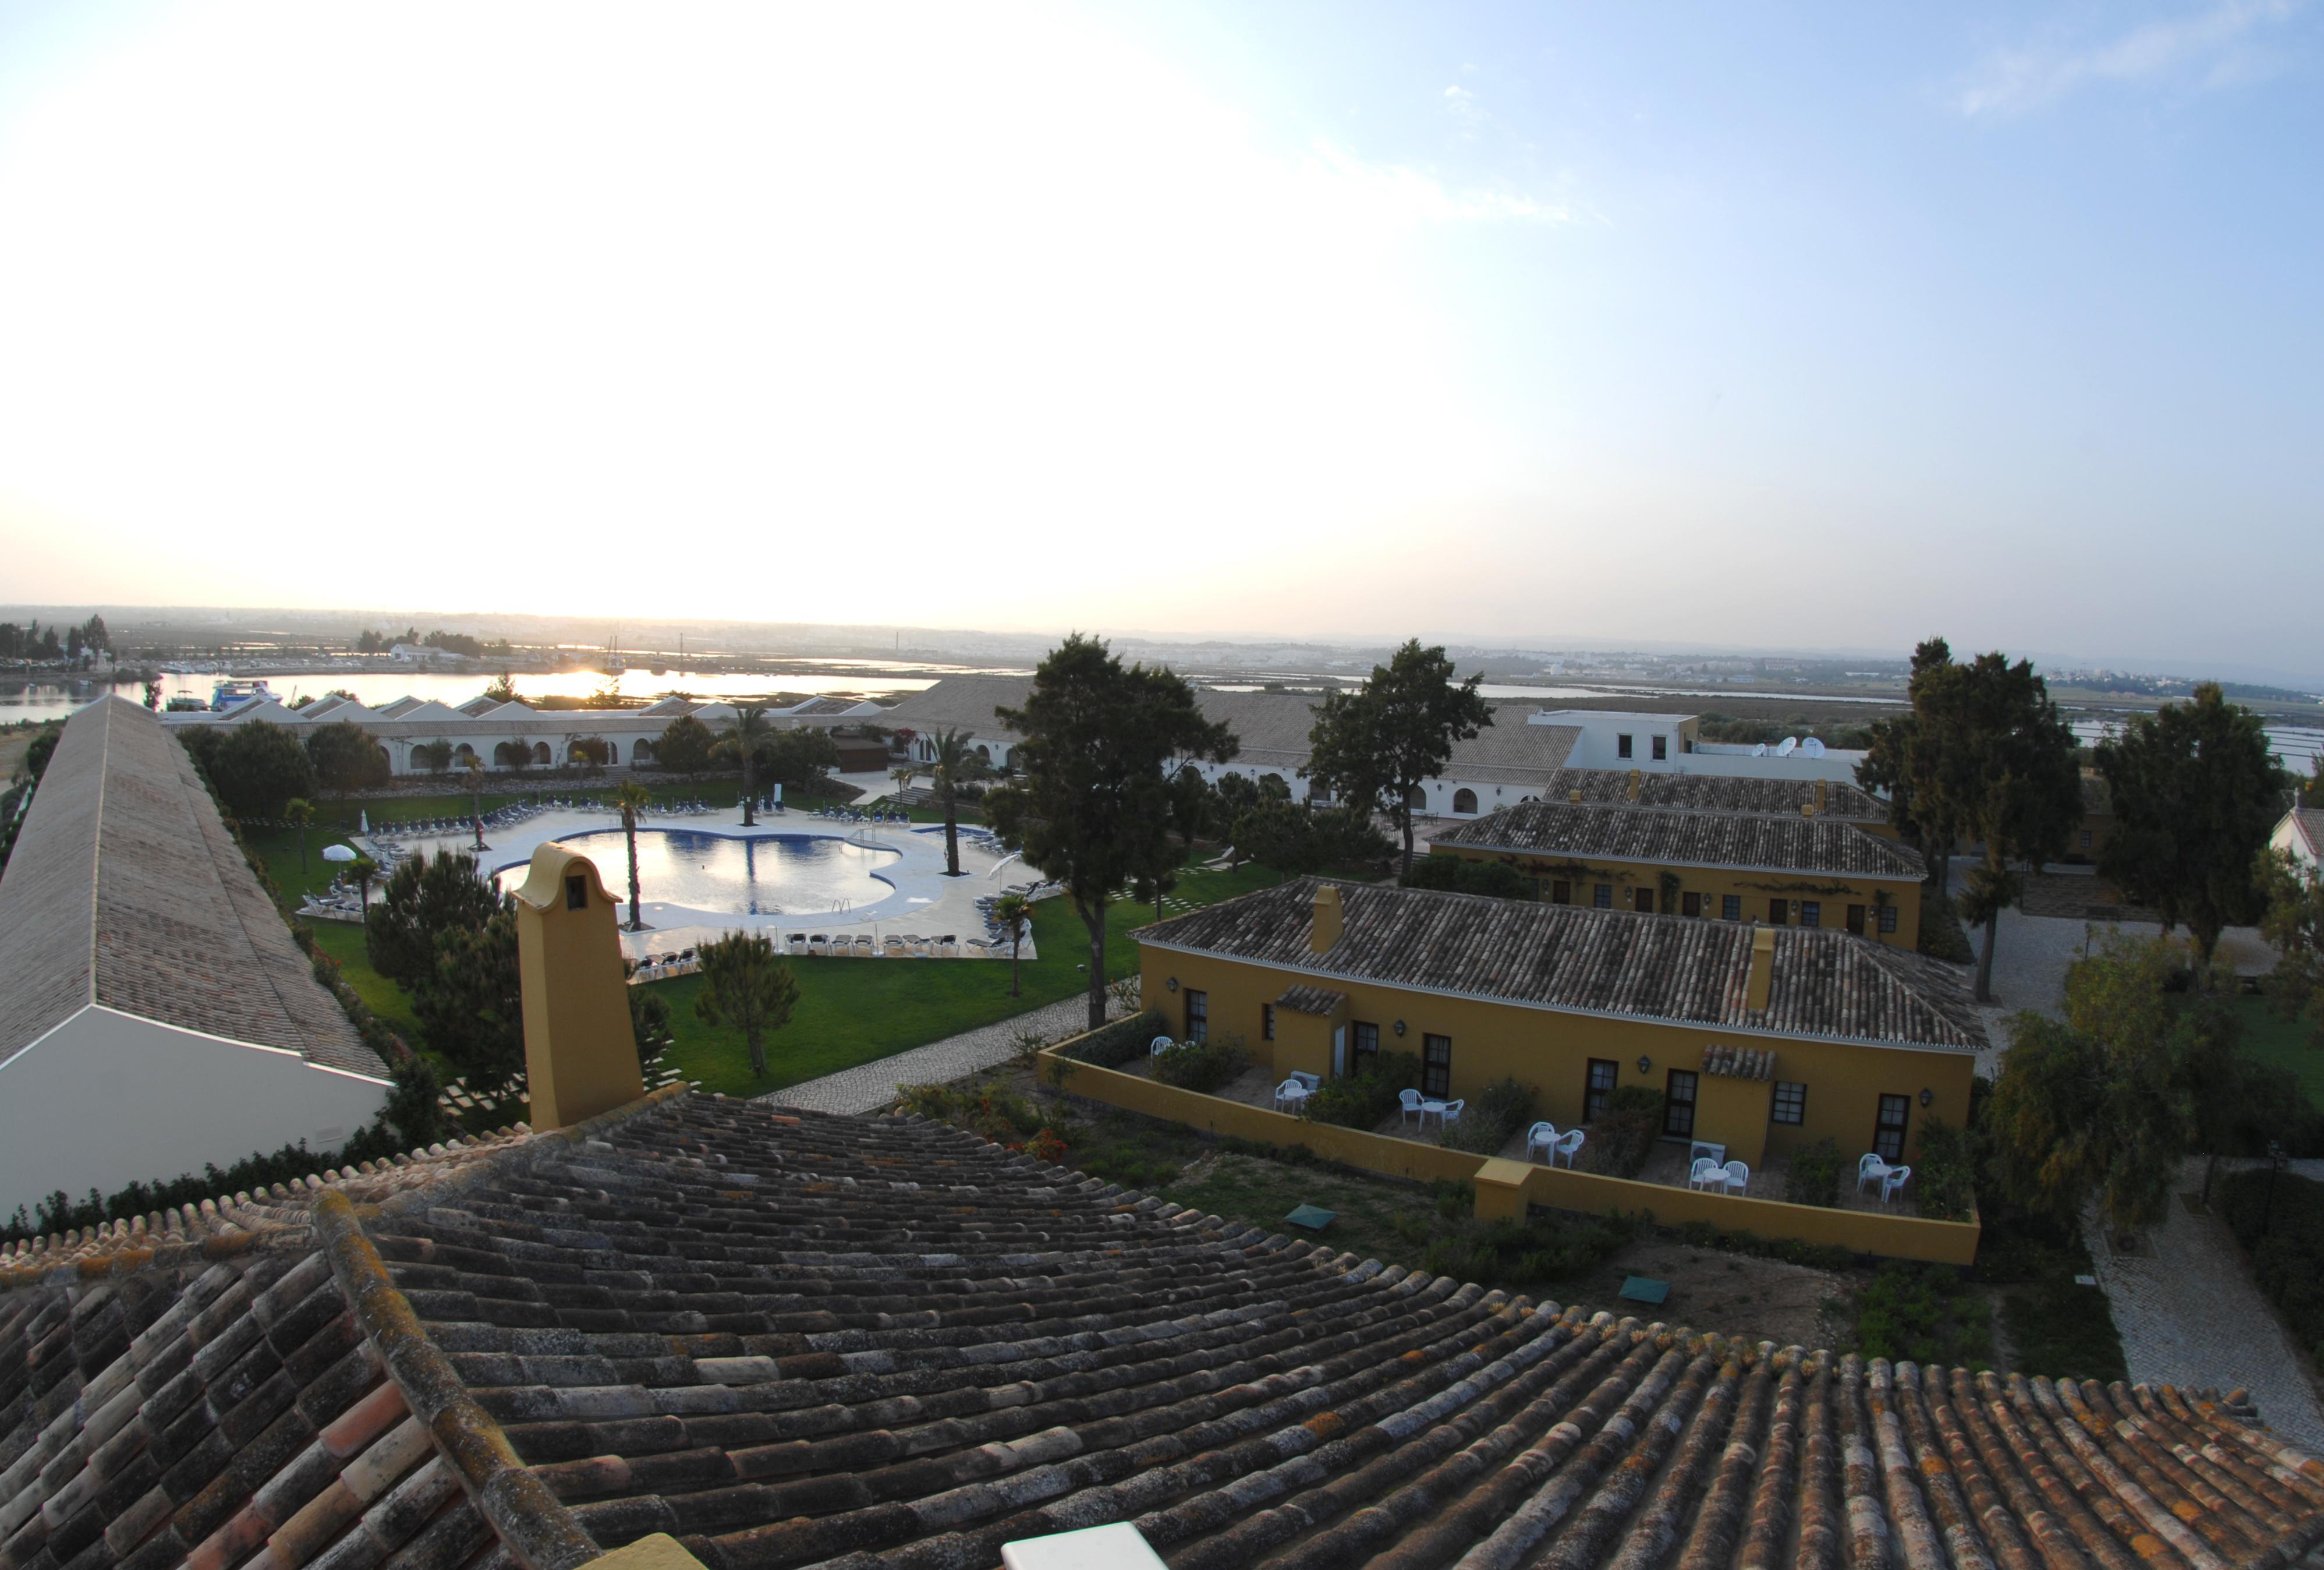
[870, 1086]
[2190, 1315]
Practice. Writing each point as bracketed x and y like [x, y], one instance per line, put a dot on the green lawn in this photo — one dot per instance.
[2283, 1043]
[853, 1011]
[1262, 1193]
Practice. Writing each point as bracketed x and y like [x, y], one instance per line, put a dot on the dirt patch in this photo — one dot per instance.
[1733, 1293]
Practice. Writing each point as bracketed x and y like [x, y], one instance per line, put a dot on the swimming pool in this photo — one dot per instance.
[770, 874]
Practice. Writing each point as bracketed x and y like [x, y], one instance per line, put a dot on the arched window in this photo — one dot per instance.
[612, 752]
[464, 754]
[541, 753]
[509, 756]
[1464, 801]
[1419, 800]
[641, 752]
[984, 756]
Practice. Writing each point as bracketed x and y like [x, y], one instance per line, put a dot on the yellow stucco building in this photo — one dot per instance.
[1758, 1037]
[1803, 870]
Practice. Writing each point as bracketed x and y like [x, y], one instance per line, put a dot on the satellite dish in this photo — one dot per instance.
[1811, 747]
[1790, 744]
[1760, 751]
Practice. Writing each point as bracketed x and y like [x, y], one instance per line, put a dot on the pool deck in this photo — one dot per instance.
[926, 901]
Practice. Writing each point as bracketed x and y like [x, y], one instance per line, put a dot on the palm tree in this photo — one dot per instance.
[300, 812]
[1013, 914]
[474, 778]
[631, 799]
[953, 767]
[364, 870]
[903, 774]
[751, 728]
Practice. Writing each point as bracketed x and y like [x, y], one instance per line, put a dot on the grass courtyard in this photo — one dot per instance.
[849, 1011]
[2280, 1042]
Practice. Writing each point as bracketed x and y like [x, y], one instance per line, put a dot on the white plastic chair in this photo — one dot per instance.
[1569, 1147]
[1412, 1103]
[1542, 1137]
[1159, 1046]
[1869, 1167]
[1309, 1082]
[1738, 1176]
[1290, 1096]
[1450, 1112]
[1704, 1170]
[1893, 1181]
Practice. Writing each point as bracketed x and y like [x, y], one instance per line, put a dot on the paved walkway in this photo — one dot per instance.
[872, 1086]
[2190, 1315]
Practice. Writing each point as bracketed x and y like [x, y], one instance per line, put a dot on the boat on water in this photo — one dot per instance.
[230, 694]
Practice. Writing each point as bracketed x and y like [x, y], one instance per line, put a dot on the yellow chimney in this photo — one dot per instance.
[1574, 796]
[580, 1057]
[1634, 784]
[1822, 787]
[1763, 969]
[1327, 931]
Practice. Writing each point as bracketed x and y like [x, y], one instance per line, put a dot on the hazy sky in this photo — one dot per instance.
[1758, 324]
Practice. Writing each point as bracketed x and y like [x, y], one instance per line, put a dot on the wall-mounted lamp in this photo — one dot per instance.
[1172, 984]
[1927, 1096]
[1646, 1064]
[1399, 1027]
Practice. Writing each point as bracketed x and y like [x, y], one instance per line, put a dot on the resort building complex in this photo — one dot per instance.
[155, 1015]
[1757, 1037]
[1801, 871]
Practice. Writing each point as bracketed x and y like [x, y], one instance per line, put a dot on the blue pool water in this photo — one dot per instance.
[774, 874]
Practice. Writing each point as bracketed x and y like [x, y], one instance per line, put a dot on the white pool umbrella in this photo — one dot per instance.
[338, 853]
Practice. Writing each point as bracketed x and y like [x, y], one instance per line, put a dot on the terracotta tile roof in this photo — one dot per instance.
[126, 890]
[1306, 1000]
[1842, 801]
[1738, 1062]
[1702, 839]
[789, 1339]
[1826, 984]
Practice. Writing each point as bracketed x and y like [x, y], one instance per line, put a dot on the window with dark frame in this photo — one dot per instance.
[1198, 1016]
[1731, 907]
[1888, 919]
[1596, 1085]
[1561, 892]
[1661, 748]
[1436, 1067]
[1856, 920]
[1365, 1042]
[1678, 1105]
[1603, 897]
[1776, 912]
[1642, 900]
[1690, 904]
[576, 893]
[1811, 912]
[1888, 1132]
[2086, 839]
[1266, 1022]
[1791, 1104]
[1621, 746]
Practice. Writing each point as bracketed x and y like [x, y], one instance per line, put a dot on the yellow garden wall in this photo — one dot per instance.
[1504, 1188]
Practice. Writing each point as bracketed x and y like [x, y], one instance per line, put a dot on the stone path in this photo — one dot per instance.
[869, 1086]
[2190, 1315]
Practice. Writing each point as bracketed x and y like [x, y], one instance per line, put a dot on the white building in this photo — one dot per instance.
[2300, 836]
[513, 736]
[154, 1013]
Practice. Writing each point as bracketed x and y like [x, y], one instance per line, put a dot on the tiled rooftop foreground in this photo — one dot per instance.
[801, 1340]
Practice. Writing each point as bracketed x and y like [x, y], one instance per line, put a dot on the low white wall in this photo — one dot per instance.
[106, 1099]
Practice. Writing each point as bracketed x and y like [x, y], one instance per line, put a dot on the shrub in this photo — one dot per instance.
[2288, 1258]
[934, 1102]
[1046, 1145]
[1941, 937]
[1458, 875]
[1204, 1065]
[1538, 1249]
[1702, 1234]
[1122, 1042]
[1492, 1118]
[1623, 1135]
[1359, 1101]
[1814, 1176]
[1922, 1313]
[1944, 1179]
